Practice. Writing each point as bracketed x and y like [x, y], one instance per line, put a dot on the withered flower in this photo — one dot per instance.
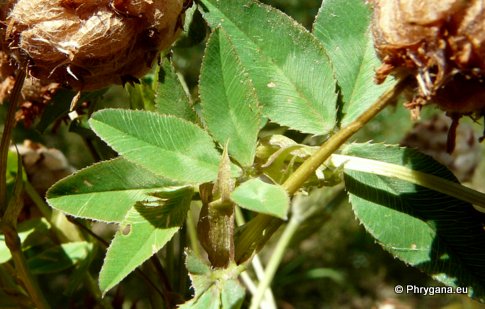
[439, 42]
[90, 44]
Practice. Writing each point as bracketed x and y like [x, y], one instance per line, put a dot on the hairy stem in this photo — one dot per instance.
[258, 231]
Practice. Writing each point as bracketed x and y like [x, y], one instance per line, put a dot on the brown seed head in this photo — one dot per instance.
[90, 44]
[439, 42]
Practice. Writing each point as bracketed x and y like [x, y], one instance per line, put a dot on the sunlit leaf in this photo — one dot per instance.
[288, 67]
[262, 197]
[170, 96]
[146, 228]
[343, 28]
[229, 103]
[165, 145]
[105, 191]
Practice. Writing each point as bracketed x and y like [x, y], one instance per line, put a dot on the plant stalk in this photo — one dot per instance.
[259, 230]
[9, 228]
[270, 271]
[9, 210]
[6, 137]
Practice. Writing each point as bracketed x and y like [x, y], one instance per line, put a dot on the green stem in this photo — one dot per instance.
[274, 262]
[306, 170]
[192, 231]
[6, 136]
[258, 231]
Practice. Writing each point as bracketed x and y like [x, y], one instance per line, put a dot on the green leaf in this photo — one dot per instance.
[210, 299]
[232, 295]
[142, 95]
[79, 275]
[105, 191]
[262, 197]
[288, 67]
[59, 258]
[229, 103]
[343, 29]
[214, 288]
[171, 98]
[12, 170]
[146, 228]
[167, 146]
[195, 29]
[435, 232]
[197, 269]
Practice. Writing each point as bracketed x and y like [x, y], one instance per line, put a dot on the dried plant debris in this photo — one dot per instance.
[431, 137]
[7, 79]
[90, 44]
[440, 43]
[35, 95]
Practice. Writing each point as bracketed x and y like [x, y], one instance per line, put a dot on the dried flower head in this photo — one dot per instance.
[90, 44]
[439, 42]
